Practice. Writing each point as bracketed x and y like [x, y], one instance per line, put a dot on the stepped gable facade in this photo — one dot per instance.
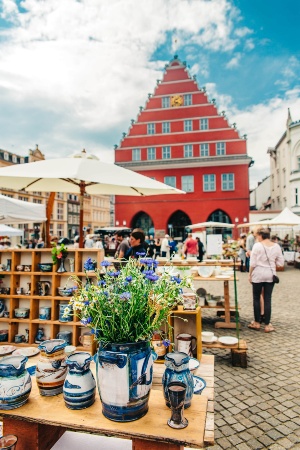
[180, 138]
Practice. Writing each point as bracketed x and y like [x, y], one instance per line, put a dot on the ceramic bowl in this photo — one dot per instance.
[27, 268]
[212, 302]
[205, 271]
[3, 335]
[65, 292]
[22, 313]
[45, 267]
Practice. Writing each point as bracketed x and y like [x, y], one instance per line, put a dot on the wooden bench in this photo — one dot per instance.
[238, 352]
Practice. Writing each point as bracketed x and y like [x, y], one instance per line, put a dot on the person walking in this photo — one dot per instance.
[190, 246]
[250, 241]
[200, 249]
[165, 248]
[242, 252]
[265, 256]
[123, 246]
[157, 246]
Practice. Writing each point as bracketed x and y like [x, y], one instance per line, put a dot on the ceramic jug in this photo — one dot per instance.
[44, 287]
[15, 382]
[39, 337]
[185, 343]
[79, 386]
[51, 369]
[177, 369]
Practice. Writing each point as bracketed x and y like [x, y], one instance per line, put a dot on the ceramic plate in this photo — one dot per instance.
[210, 342]
[26, 351]
[6, 349]
[205, 271]
[228, 340]
[199, 385]
[193, 364]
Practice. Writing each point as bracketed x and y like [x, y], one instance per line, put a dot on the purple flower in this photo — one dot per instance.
[166, 342]
[129, 278]
[140, 253]
[101, 283]
[125, 296]
[177, 279]
[105, 263]
[87, 303]
[114, 274]
[152, 277]
[86, 321]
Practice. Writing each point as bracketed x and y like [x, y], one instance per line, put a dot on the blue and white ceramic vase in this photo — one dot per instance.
[2, 308]
[124, 379]
[15, 382]
[177, 369]
[51, 368]
[80, 385]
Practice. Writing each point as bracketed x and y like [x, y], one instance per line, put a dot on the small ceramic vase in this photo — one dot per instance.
[79, 386]
[177, 369]
[2, 308]
[51, 369]
[71, 264]
[15, 382]
[39, 337]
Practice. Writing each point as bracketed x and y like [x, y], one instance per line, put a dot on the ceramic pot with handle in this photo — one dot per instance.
[51, 369]
[15, 382]
[177, 369]
[185, 343]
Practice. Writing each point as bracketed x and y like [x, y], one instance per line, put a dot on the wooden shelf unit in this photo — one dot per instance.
[14, 279]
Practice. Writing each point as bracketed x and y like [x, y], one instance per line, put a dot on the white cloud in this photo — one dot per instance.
[234, 62]
[244, 31]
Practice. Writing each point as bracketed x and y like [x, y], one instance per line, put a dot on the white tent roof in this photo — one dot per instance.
[5, 230]
[210, 225]
[287, 218]
[18, 211]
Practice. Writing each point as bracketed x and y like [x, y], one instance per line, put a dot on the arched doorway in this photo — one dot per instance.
[219, 216]
[143, 221]
[177, 223]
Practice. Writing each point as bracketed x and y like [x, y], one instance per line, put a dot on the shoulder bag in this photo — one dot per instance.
[275, 277]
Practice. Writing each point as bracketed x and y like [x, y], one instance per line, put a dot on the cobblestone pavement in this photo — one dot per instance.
[259, 407]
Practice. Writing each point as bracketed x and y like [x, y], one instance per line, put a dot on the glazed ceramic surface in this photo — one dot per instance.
[21, 313]
[45, 267]
[15, 382]
[51, 369]
[177, 369]
[45, 313]
[2, 308]
[124, 379]
[79, 386]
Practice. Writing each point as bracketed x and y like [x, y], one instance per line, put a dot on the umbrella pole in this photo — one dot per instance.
[49, 209]
[81, 199]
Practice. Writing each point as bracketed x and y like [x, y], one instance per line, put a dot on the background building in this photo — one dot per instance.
[285, 168]
[179, 138]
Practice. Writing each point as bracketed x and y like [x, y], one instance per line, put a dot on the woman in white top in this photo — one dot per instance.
[265, 256]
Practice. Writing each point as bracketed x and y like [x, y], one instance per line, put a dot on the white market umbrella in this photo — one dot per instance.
[5, 230]
[286, 218]
[210, 225]
[80, 174]
[18, 211]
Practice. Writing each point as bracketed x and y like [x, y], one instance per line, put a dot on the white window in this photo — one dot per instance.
[60, 211]
[203, 124]
[151, 128]
[187, 99]
[187, 183]
[204, 149]
[165, 102]
[188, 125]
[136, 154]
[60, 195]
[227, 181]
[151, 153]
[221, 148]
[166, 127]
[6, 156]
[188, 151]
[209, 183]
[14, 158]
[24, 199]
[60, 229]
[170, 181]
[166, 152]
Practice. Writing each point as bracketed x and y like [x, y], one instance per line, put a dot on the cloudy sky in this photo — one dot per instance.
[73, 73]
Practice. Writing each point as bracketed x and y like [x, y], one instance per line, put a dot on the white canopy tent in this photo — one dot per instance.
[285, 219]
[17, 211]
[5, 230]
[210, 225]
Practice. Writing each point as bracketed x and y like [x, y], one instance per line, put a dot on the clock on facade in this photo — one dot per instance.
[177, 100]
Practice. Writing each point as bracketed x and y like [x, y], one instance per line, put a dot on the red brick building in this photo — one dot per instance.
[179, 138]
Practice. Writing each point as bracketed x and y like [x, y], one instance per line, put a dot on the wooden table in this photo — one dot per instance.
[43, 420]
[227, 308]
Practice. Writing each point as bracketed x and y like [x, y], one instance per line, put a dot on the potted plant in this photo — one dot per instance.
[123, 309]
[59, 254]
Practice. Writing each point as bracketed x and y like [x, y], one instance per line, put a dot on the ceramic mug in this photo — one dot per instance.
[66, 336]
[6, 314]
[189, 300]
[19, 338]
[86, 339]
[45, 313]
[185, 343]
[19, 291]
